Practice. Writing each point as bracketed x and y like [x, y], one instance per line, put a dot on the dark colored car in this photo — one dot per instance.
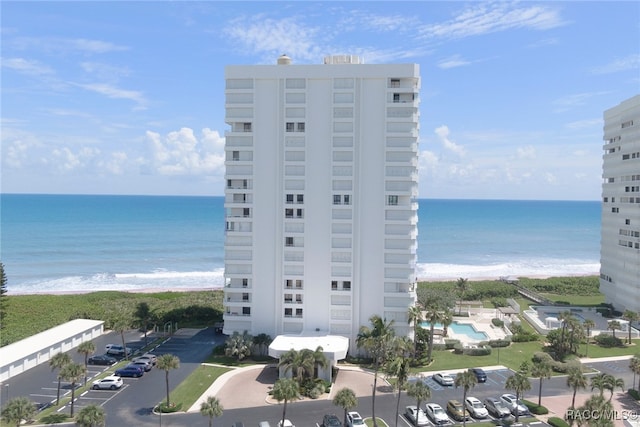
[331, 421]
[496, 408]
[103, 359]
[142, 364]
[480, 374]
[130, 371]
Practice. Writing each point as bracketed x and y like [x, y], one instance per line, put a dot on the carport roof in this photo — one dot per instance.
[23, 348]
[335, 347]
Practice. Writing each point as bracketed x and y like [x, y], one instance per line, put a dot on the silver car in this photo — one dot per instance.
[437, 414]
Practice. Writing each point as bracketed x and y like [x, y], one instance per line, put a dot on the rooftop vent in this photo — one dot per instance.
[343, 59]
[284, 60]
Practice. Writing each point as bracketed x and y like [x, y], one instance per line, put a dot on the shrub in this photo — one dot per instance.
[557, 422]
[535, 409]
[499, 343]
[478, 351]
[499, 302]
[457, 349]
[541, 356]
[439, 347]
[634, 393]
[449, 344]
[168, 409]
[524, 337]
[497, 322]
[607, 341]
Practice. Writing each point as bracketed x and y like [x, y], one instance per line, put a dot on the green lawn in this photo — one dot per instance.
[581, 300]
[195, 385]
[627, 350]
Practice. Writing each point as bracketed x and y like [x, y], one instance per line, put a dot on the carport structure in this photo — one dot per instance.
[25, 354]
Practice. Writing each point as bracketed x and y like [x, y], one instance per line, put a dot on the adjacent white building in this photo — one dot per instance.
[620, 242]
[320, 196]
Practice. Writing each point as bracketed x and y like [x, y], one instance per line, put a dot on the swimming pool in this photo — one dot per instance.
[461, 329]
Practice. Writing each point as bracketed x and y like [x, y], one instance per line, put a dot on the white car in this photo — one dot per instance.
[514, 405]
[147, 357]
[443, 379]
[476, 408]
[117, 350]
[287, 423]
[437, 414]
[107, 383]
[354, 420]
[416, 416]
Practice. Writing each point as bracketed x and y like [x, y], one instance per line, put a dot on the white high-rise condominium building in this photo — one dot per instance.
[320, 196]
[620, 242]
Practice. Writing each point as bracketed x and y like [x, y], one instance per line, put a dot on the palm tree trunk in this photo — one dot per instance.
[415, 422]
[373, 395]
[58, 395]
[573, 400]
[73, 396]
[284, 411]
[398, 404]
[167, 382]
[464, 398]
[540, 393]
[431, 328]
[517, 412]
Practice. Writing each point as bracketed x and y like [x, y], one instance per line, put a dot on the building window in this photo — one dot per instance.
[289, 198]
[395, 82]
[288, 312]
[245, 297]
[298, 312]
[290, 127]
[245, 283]
[288, 241]
[246, 311]
[334, 285]
[392, 201]
[347, 199]
[299, 298]
[289, 284]
[346, 285]
[627, 222]
[299, 284]
[246, 127]
[396, 97]
[288, 298]
[235, 156]
[300, 198]
[288, 213]
[299, 213]
[246, 212]
[336, 199]
[301, 127]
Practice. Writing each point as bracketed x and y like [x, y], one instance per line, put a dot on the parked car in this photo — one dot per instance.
[142, 364]
[117, 350]
[496, 408]
[331, 421]
[130, 371]
[264, 424]
[480, 374]
[475, 407]
[151, 358]
[443, 379]
[287, 423]
[103, 359]
[514, 405]
[111, 382]
[437, 415]
[354, 420]
[457, 410]
[416, 416]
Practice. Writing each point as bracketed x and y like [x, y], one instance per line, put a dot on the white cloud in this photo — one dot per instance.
[182, 153]
[629, 62]
[443, 134]
[57, 45]
[111, 91]
[67, 161]
[582, 124]
[568, 102]
[25, 66]
[527, 152]
[453, 62]
[491, 17]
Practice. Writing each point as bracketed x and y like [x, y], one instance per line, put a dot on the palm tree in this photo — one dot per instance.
[120, 324]
[634, 365]
[91, 416]
[462, 286]
[588, 326]
[285, 389]
[414, 316]
[319, 360]
[211, 408]
[143, 315]
[419, 391]
[614, 325]
[377, 342]
[599, 381]
[399, 368]
[433, 314]
[295, 362]
[86, 348]
[542, 370]
[597, 404]
[59, 361]
[346, 399]
[18, 409]
[167, 362]
[576, 379]
[519, 383]
[73, 372]
[239, 346]
[467, 380]
[262, 341]
[613, 384]
[630, 316]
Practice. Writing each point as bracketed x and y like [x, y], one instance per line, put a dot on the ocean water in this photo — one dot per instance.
[71, 243]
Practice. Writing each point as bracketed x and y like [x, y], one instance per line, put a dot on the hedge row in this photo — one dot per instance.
[557, 422]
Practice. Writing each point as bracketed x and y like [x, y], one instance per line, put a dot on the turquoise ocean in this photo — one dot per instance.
[77, 243]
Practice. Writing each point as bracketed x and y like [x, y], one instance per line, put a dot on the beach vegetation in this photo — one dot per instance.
[346, 399]
[18, 410]
[211, 408]
[3, 295]
[239, 346]
[31, 314]
[91, 416]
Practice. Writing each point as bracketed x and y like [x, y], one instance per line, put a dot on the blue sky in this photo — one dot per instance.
[128, 97]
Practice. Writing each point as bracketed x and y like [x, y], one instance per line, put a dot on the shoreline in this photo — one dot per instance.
[218, 288]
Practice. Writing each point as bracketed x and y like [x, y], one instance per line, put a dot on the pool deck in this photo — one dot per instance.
[480, 320]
